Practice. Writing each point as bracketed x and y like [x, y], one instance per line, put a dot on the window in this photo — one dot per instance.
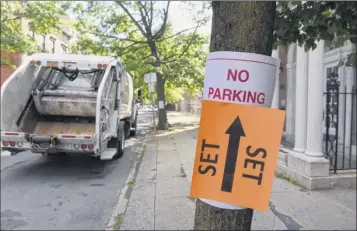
[53, 40]
[44, 43]
[32, 33]
[64, 48]
[84, 81]
[125, 89]
[332, 70]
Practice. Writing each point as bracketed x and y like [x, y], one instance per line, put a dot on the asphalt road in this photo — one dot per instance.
[65, 192]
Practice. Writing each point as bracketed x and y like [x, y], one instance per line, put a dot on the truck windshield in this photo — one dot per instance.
[82, 80]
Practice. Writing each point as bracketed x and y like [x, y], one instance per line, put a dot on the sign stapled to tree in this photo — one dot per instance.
[239, 135]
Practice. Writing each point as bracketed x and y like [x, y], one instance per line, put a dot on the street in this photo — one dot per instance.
[65, 192]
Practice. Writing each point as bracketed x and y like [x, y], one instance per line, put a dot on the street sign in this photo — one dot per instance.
[243, 78]
[150, 78]
[153, 77]
[151, 87]
[239, 136]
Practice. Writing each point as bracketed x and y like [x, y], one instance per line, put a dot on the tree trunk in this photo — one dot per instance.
[160, 89]
[246, 27]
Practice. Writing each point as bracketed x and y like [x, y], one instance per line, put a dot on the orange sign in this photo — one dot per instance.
[236, 154]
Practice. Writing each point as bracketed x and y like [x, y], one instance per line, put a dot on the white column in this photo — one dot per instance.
[276, 102]
[301, 99]
[290, 95]
[315, 102]
[349, 73]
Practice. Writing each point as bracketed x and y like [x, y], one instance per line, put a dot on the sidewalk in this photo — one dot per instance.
[159, 199]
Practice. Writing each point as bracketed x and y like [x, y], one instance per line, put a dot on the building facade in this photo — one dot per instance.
[48, 43]
[318, 92]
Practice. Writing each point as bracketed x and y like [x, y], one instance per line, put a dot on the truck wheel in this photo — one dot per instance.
[134, 125]
[127, 130]
[120, 144]
[133, 132]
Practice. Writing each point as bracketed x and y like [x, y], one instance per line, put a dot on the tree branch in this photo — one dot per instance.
[151, 13]
[123, 52]
[171, 36]
[161, 31]
[132, 18]
[114, 37]
[184, 50]
[11, 19]
[145, 17]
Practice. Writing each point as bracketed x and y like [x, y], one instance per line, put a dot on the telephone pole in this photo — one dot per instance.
[241, 27]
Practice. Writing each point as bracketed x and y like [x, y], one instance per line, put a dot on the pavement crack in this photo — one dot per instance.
[182, 172]
[288, 221]
[157, 160]
[13, 165]
[274, 222]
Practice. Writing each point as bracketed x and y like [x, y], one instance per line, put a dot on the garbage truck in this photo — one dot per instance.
[67, 103]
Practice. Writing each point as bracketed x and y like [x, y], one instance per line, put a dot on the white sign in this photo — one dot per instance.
[161, 104]
[147, 78]
[150, 78]
[238, 77]
[153, 77]
[243, 78]
[151, 87]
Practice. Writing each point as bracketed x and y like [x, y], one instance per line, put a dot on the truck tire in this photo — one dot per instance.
[134, 125]
[127, 129]
[133, 132]
[120, 142]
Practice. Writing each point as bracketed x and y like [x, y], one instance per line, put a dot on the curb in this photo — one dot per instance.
[125, 192]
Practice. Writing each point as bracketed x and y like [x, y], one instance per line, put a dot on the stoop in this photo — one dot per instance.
[312, 173]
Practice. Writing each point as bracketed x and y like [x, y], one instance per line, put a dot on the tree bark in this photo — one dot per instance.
[160, 88]
[245, 27]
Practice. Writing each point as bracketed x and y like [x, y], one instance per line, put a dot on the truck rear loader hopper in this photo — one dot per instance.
[68, 103]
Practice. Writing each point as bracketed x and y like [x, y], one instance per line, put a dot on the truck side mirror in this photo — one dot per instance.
[139, 94]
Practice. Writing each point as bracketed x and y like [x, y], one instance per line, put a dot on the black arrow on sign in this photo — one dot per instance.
[235, 131]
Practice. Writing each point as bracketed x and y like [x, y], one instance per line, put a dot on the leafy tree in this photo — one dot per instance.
[306, 22]
[153, 34]
[145, 46]
[42, 17]
[332, 21]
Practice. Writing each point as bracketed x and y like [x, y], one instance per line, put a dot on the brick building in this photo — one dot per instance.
[6, 71]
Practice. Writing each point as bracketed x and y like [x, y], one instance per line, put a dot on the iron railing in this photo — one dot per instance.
[340, 132]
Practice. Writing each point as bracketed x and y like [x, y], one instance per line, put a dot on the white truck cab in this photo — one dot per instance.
[68, 103]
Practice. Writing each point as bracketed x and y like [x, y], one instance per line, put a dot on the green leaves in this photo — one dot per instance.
[107, 29]
[315, 20]
[42, 17]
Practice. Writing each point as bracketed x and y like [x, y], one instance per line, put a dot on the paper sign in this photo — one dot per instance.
[151, 87]
[161, 104]
[237, 78]
[153, 77]
[243, 78]
[147, 78]
[236, 154]
[150, 78]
